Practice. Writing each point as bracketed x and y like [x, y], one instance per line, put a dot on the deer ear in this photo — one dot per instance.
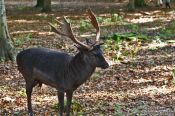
[81, 49]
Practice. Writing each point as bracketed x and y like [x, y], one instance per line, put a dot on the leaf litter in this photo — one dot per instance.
[142, 85]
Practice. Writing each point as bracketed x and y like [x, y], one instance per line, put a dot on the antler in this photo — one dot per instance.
[94, 23]
[68, 32]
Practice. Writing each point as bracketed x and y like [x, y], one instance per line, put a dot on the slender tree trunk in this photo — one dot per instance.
[46, 6]
[140, 3]
[131, 5]
[159, 2]
[6, 47]
[40, 3]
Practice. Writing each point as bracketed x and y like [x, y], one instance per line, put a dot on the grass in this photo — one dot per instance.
[121, 46]
[22, 39]
[77, 108]
[22, 92]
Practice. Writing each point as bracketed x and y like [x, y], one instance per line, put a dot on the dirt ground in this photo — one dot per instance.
[142, 85]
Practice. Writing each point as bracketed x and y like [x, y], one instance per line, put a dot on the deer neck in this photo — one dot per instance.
[80, 70]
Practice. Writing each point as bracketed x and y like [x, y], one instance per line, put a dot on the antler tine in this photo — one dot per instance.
[54, 29]
[94, 23]
[70, 34]
[60, 23]
[66, 26]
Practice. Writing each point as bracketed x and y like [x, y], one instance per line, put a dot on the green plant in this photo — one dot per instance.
[23, 7]
[2, 60]
[22, 39]
[134, 27]
[119, 46]
[22, 92]
[84, 25]
[77, 108]
[167, 32]
[112, 49]
[118, 110]
[100, 19]
[133, 64]
[116, 17]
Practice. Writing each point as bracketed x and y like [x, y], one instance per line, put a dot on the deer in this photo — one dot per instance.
[60, 70]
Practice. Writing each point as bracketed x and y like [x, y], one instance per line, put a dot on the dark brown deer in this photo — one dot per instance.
[61, 70]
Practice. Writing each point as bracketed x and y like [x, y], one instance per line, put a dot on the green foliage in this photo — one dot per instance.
[2, 60]
[22, 39]
[133, 64]
[133, 27]
[113, 49]
[77, 108]
[114, 18]
[22, 92]
[118, 110]
[167, 32]
[118, 46]
[23, 7]
[84, 25]
[135, 33]
[56, 106]
[132, 36]
[122, 45]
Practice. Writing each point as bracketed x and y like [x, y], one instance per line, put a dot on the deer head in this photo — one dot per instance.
[91, 53]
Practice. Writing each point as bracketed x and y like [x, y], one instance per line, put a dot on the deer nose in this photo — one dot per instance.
[105, 65]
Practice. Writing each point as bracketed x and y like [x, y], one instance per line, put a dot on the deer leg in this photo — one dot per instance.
[30, 83]
[69, 102]
[61, 102]
[29, 88]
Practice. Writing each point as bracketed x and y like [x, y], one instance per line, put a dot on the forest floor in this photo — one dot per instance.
[138, 85]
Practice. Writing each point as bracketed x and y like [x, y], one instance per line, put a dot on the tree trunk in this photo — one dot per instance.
[46, 6]
[140, 3]
[131, 5]
[6, 47]
[40, 3]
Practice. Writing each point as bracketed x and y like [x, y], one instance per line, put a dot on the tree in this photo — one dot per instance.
[131, 5]
[44, 4]
[135, 4]
[6, 46]
[139, 3]
[40, 3]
